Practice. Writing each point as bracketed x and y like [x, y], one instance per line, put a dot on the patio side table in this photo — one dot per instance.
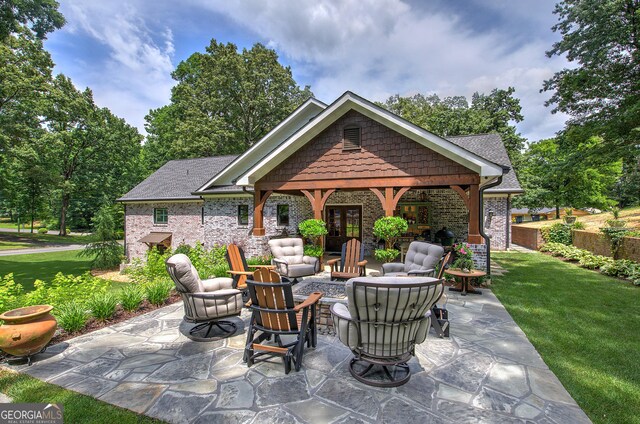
[466, 278]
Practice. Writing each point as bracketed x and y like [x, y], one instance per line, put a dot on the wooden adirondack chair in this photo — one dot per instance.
[440, 316]
[351, 263]
[238, 267]
[275, 314]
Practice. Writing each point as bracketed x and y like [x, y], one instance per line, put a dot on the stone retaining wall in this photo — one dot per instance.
[598, 244]
[526, 237]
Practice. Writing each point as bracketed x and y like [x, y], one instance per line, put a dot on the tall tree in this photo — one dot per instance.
[555, 174]
[602, 92]
[451, 116]
[40, 16]
[224, 102]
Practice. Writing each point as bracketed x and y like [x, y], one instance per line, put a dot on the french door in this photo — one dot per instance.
[344, 222]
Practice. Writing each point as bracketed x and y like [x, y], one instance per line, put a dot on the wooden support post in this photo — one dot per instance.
[388, 200]
[474, 215]
[318, 200]
[259, 199]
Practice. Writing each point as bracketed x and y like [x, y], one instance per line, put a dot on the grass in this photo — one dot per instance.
[78, 408]
[584, 325]
[595, 221]
[36, 238]
[11, 245]
[43, 266]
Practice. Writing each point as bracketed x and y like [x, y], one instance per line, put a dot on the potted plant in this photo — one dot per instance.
[464, 257]
[389, 229]
[569, 218]
[313, 230]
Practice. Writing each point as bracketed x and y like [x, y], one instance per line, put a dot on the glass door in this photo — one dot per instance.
[344, 222]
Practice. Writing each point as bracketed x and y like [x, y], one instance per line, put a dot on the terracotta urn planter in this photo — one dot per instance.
[26, 331]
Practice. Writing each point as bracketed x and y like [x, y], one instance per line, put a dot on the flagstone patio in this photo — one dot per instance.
[487, 371]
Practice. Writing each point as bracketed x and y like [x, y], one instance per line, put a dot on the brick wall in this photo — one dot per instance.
[599, 245]
[526, 237]
[184, 221]
[497, 224]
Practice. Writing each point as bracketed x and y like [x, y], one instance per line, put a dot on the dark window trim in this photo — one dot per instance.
[240, 215]
[278, 222]
[353, 144]
[155, 216]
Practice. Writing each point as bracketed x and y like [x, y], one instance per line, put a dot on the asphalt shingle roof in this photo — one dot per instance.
[177, 179]
[491, 148]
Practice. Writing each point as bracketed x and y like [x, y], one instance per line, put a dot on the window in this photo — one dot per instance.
[351, 138]
[283, 215]
[243, 214]
[160, 216]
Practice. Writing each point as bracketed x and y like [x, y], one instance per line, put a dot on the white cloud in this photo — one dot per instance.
[381, 48]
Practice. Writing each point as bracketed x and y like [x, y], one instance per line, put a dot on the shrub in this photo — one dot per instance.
[620, 268]
[557, 233]
[594, 261]
[131, 297]
[10, 293]
[386, 255]
[259, 260]
[389, 228]
[65, 288]
[158, 291]
[43, 230]
[183, 248]
[103, 305]
[615, 235]
[313, 229]
[71, 317]
[104, 247]
[312, 250]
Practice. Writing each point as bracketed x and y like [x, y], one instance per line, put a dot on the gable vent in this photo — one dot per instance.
[351, 138]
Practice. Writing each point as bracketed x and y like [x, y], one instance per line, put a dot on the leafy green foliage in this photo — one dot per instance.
[10, 293]
[313, 229]
[131, 297]
[103, 305]
[104, 248]
[259, 260]
[43, 230]
[492, 113]
[386, 255]
[39, 16]
[557, 233]
[157, 292]
[72, 316]
[464, 256]
[615, 231]
[65, 288]
[224, 101]
[389, 228]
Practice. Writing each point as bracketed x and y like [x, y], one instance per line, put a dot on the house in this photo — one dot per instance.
[349, 163]
[520, 215]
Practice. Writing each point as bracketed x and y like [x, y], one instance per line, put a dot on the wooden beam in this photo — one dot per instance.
[384, 182]
[259, 199]
[462, 193]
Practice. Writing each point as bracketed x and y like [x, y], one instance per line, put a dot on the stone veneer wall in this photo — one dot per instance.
[221, 221]
[495, 226]
[184, 221]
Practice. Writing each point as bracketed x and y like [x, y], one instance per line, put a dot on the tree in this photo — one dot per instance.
[602, 92]
[224, 102]
[104, 248]
[40, 16]
[555, 174]
[453, 116]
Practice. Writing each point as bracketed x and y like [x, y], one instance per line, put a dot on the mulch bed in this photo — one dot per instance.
[120, 316]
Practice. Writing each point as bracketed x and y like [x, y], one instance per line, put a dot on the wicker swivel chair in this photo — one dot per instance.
[385, 319]
[274, 314]
[206, 302]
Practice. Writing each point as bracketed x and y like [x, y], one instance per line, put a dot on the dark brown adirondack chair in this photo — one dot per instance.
[351, 263]
[275, 314]
[440, 316]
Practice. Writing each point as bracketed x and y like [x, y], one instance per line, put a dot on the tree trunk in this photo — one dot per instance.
[557, 211]
[63, 214]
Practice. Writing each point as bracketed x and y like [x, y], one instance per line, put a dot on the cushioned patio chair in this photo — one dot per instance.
[290, 260]
[275, 316]
[351, 263]
[385, 319]
[420, 261]
[206, 302]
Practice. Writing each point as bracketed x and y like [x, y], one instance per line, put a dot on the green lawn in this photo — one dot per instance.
[78, 408]
[586, 327]
[43, 266]
[27, 237]
[11, 245]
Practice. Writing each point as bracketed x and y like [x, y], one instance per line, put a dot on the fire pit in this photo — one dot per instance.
[333, 293]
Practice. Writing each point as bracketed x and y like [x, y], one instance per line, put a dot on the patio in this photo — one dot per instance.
[486, 372]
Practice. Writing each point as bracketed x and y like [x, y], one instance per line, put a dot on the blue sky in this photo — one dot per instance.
[125, 51]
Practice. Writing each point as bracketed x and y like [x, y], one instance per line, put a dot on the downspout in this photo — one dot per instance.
[487, 240]
[508, 223]
[124, 245]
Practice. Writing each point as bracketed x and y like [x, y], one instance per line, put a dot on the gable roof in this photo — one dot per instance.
[491, 147]
[177, 179]
[349, 101]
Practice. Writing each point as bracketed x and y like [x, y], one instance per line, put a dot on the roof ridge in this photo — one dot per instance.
[203, 157]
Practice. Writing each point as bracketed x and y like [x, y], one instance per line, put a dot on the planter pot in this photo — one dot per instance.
[570, 219]
[26, 331]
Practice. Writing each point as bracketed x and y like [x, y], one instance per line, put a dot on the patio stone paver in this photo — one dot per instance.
[487, 371]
